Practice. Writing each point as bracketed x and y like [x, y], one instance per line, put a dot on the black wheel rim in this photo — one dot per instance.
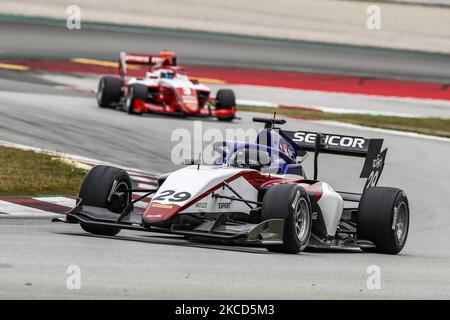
[101, 87]
[122, 186]
[302, 220]
[130, 100]
[400, 222]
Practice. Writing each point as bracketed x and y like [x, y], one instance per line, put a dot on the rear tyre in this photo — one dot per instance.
[383, 218]
[95, 190]
[108, 91]
[225, 99]
[137, 92]
[291, 203]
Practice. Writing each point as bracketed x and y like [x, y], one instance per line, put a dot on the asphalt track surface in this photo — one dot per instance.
[50, 41]
[295, 97]
[35, 254]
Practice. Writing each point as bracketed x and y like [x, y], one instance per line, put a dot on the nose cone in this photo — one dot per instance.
[189, 99]
[183, 188]
[157, 211]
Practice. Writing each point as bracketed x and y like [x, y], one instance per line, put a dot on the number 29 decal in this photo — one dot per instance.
[172, 196]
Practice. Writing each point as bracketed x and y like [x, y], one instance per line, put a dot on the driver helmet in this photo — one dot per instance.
[167, 74]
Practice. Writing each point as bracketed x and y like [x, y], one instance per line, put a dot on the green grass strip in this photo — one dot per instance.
[27, 173]
[430, 126]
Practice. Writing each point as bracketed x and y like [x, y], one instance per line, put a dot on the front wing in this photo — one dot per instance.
[145, 107]
[265, 233]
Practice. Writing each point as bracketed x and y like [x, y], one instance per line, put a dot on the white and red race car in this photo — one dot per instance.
[256, 193]
[164, 88]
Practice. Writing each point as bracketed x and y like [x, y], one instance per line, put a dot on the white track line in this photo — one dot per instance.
[142, 179]
[17, 210]
[62, 201]
[145, 186]
[368, 112]
[387, 131]
[256, 103]
[326, 109]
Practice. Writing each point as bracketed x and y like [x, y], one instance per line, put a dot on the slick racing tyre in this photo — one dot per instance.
[383, 218]
[99, 183]
[108, 91]
[225, 99]
[137, 91]
[291, 203]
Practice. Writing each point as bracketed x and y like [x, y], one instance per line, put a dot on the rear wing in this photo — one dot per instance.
[370, 149]
[332, 143]
[163, 58]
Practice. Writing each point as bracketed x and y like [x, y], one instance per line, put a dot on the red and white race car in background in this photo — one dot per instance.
[164, 88]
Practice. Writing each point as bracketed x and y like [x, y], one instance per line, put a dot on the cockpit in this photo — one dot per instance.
[250, 158]
[257, 157]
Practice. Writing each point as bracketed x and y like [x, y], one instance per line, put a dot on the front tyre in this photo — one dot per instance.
[108, 92]
[137, 92]
[225, 100]
[383, 218]
[99, 183]
[291, 203]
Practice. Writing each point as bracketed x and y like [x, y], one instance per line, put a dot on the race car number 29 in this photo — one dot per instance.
[173, 196]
